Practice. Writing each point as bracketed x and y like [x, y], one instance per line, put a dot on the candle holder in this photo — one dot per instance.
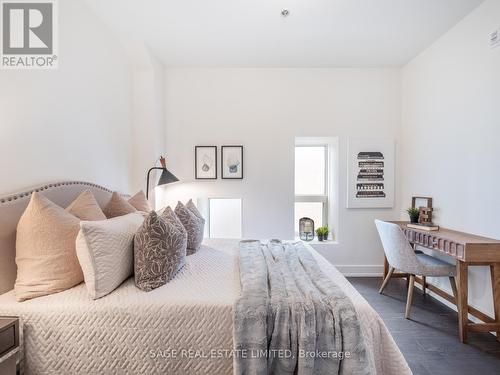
[306, 229]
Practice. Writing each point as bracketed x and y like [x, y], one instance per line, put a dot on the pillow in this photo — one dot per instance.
[140, 202]
[191, 207]
[159, 252]
[45, 250]
[117, 206]
[194, 226]
[105, 250]
[85, 207]
[169, 215]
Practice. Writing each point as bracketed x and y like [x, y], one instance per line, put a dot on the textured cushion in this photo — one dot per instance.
[106, 253]
[431, 266]
[159, 252]
[194, 226]
[140, 202]
[169, 215]
[45, 250]
[85, 207]
[191, 207]
[117, 206]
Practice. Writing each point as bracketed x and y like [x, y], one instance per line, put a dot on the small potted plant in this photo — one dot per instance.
[322, 233]
[414, 213]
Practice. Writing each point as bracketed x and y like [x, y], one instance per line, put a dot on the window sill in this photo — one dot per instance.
[317, 242]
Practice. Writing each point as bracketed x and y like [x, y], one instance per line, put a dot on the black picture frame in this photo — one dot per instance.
[198, 175]
[224, 169]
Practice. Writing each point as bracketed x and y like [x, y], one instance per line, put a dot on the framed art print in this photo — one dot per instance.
[370, 180]
[232, 162]
[205, 162]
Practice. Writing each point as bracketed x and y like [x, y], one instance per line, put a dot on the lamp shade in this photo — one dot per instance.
[166, 177]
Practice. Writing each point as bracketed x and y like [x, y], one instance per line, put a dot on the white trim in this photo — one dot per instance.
[332, 146]
[361, 270]
[311, 198]
[316, 242]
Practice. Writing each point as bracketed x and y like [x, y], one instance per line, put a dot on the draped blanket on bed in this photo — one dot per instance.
[291, 318]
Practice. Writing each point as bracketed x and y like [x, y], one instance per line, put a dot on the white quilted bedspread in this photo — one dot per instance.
[184, 327]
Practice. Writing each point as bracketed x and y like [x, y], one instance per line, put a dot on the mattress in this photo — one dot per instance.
[184, 327]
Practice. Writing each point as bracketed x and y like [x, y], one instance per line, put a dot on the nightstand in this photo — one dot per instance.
[9, 345]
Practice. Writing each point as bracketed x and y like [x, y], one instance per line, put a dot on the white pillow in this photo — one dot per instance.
[105, 250]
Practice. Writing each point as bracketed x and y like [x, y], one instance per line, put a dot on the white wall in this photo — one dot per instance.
[71, 123]
[451, 132]
[264, 110]
[148, 119]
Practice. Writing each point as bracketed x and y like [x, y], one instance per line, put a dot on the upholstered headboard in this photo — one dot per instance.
[13, 206]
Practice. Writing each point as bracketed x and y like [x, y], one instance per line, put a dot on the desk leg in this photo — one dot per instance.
[462, 303]
[495, 286]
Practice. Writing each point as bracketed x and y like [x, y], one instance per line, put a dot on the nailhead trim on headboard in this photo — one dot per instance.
[13, 197]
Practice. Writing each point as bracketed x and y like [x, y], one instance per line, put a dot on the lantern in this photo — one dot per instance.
[306, 229]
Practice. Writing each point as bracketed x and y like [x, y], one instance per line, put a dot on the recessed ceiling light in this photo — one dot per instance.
[285, 12]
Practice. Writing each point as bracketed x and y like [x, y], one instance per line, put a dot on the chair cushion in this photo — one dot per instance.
[431, 266]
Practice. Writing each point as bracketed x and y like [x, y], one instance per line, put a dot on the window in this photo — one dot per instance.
[311, 184]
[315, 175]
[222, 217]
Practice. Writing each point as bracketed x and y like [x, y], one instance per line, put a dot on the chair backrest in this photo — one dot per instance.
[398, 251]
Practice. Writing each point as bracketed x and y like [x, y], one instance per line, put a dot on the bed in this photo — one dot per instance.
[184, 327]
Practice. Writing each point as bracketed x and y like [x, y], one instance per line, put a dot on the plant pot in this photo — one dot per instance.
[414, 220]
[320, 237]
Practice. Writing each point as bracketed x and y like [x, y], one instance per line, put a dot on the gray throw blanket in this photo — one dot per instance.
[291, 318]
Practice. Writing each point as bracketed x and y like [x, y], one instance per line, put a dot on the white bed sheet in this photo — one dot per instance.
[184, 327]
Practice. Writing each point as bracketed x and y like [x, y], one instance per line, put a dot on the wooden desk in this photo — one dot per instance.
[468, 250]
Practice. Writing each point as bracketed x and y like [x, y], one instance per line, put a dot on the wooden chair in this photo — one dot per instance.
[401, 256]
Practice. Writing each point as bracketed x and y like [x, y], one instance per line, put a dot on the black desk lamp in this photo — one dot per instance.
[166, 176]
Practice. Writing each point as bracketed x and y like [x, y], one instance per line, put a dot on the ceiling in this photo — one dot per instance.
[252, 33]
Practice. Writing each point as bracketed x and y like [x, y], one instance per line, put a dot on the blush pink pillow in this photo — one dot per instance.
[118, 206]
[85, 207]
[140, 202]
[45, 250]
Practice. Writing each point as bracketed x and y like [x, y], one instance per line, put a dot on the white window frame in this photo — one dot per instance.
[330, 199]
[319, 198]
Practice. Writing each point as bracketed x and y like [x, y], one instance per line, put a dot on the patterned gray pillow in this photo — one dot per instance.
[159, 252]
[194, 225]
[169, 215]
[191, 207]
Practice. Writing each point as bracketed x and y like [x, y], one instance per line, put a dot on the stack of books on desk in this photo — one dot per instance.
[428, 227]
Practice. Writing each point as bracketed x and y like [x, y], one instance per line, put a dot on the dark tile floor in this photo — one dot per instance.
[429, 341]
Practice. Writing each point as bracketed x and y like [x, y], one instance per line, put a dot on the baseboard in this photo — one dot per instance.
[361, 270]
